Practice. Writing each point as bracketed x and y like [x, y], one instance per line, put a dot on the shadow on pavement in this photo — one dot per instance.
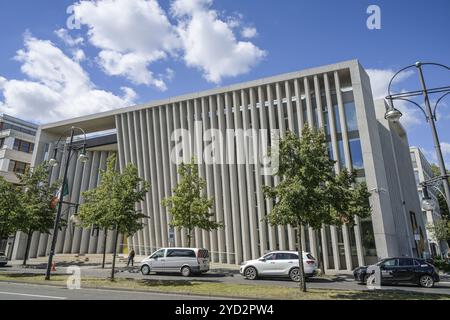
[388, 294]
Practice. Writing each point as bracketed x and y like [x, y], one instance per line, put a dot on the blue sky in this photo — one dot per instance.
[200, 44]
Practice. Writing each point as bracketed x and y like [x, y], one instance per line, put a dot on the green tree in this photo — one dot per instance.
[440, 229]
[10, 207]
[188, 205]
[112, 205]
[443, 206]
[309, 192]
[36, 212]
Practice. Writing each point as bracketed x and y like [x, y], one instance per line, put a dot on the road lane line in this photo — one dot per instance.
[31, 295]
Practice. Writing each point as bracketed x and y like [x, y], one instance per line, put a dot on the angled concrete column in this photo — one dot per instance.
[218, 150]
[265, 127]
[157, 121]
[225, 179]
[76, 247]
[206, 172]
[254, 113]
[148, 197]
[282, 128]
[291, 127]
[298, 99]
[242, 187]
[155, 218]
[237, 233]
[249, 176]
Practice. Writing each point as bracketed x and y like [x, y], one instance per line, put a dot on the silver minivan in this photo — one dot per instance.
[186, 261]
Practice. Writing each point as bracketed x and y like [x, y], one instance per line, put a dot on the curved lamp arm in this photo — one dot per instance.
[437, 102]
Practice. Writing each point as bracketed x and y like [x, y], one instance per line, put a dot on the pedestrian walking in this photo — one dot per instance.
[131, 258]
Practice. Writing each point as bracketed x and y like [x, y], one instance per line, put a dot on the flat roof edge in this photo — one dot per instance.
[232, 87]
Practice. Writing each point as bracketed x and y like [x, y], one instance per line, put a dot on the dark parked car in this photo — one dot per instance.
[400, 270]
[3, 259]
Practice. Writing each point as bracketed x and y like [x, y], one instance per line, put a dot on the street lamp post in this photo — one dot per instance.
[393, 114]
[53, 162]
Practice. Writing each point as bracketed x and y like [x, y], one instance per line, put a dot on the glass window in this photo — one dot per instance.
[406, 262]
[2, 141]
[18, 167]
[341, 153]
[413, 159]
[416, 176]
[270, 256]
[180, 253]
[158, 254]
[391, 263]
[293, 256]
[283, 256]
[23, 146]
[356, 153]
[368, 238]
[350, 116]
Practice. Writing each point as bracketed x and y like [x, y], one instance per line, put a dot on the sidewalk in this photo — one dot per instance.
[95, 261]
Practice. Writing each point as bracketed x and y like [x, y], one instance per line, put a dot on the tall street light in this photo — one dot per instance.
[69, 148]
[393, 114]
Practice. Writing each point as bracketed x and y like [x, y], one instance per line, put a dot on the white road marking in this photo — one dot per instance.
[31, 295]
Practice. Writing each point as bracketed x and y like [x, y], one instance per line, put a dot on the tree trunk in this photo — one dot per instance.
[114, 255]
[189, 236]
[27, 249]
[104, 248]
[301, 268]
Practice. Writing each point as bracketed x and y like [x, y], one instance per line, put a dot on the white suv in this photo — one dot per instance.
[279, 263]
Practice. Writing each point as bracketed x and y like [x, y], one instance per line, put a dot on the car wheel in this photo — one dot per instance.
[426, 281]
[294, 274]
[185, 271]
[251, 273]
[145, 269]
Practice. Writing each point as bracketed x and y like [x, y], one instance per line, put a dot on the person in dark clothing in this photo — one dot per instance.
[131, 258]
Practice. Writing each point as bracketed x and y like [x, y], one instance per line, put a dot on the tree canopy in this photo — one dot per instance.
[310, 192]
[188, 205]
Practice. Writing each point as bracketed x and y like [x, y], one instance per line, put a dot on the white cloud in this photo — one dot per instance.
[249, 32]
[64, 35]
[210, 44]
[379, 80]
[78, 55]
[430, 154]
[130, 34]
[56, 87]
[445, 146]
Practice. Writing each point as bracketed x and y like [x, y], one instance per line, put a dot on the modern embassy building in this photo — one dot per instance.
[335, 97]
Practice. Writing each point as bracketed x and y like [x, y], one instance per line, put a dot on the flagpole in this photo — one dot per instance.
[58, 214]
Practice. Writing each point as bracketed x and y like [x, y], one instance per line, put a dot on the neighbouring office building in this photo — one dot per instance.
[422, 173]
[335, 97]
[16, 149]
[16, 146]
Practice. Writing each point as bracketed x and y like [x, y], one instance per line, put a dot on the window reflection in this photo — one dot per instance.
[356, 154]
[350, 116]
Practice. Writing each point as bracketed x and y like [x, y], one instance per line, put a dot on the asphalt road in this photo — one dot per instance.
[13, 291]
[339, 282]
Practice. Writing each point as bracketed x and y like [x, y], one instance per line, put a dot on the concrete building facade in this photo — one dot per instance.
[422, 173]
[16, 146]
[336, 98]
